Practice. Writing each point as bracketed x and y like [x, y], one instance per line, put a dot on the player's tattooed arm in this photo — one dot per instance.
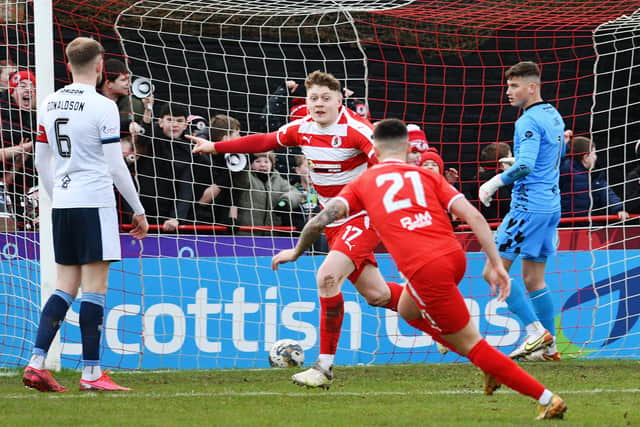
[313, 229]
[311, 232]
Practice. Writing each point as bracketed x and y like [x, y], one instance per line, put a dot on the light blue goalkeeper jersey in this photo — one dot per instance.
[538, 147]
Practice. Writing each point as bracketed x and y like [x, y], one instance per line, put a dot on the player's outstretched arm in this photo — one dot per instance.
[498, 275]
[311, 232]
[257, 143]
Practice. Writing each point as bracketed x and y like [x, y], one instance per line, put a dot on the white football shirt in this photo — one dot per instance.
[76, 122]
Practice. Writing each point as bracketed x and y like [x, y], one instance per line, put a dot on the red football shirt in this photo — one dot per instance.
[408, 208]
[337, 154]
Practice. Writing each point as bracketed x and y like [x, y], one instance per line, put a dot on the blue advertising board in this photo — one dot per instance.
[214, 302]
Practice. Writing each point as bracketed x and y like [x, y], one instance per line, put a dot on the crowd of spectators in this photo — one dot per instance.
[258, 193]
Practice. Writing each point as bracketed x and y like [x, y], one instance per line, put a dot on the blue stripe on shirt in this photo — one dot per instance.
[110, 140]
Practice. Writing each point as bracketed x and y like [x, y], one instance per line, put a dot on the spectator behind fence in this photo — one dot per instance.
[430, 159]
[285, 104]
[18, 133]
[418, 144]
[265, 197]
[115, 85]
[579, 186]
[7, 68]
[632, 186]
[220, 193]
[167, 174]
[130, 145]
[496, 158]
[309, 205]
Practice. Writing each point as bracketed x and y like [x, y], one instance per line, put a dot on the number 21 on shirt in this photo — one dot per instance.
[398, 181]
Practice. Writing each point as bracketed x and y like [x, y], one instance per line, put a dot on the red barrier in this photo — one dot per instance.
[575, 220]
[193, 228]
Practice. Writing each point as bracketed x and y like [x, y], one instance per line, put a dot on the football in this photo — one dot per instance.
[286, 354]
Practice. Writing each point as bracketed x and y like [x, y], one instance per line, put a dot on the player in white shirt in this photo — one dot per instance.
[79, 159]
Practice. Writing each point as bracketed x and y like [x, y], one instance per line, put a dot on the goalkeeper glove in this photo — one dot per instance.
[488, 189]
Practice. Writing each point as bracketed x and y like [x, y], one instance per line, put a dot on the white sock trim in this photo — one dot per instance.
[325, 361]
[546, 397]
[535, 328]
[91, 373]
[37, 362]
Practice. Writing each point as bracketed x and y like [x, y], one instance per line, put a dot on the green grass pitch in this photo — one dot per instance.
[598, 393]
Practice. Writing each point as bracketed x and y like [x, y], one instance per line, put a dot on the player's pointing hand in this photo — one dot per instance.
[202, 145]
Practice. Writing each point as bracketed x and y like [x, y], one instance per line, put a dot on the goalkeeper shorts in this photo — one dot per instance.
[531, 235]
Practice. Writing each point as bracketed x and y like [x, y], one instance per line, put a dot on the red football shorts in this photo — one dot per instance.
[357, 240]
[434, 288]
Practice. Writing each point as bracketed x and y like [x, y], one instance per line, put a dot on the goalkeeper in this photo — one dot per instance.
[529, 230]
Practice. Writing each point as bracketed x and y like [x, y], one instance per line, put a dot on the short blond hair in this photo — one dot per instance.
[82, 51]
[320, 78]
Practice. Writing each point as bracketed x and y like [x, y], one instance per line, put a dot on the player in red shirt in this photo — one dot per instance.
[408, 204]
[337, 143]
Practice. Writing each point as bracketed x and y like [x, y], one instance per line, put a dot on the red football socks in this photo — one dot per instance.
[331, 315]
[504, 370]
[396, 291]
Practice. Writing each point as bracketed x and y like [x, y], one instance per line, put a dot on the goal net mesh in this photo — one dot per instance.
[204, 296]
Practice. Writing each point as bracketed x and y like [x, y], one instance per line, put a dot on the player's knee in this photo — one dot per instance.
[377, 297]
[533, 282]
[328, 282]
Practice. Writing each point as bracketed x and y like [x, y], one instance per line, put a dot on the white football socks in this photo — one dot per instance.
[546, 397]
[325, 361]
[91, 373]
[535, 329]
[37, 362]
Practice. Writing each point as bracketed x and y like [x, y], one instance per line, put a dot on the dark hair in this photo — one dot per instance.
[82, 51]
[320, 78]
[114, 68]
[494, 152]
[523, 69]
[390, 129]
[174, 110]
[222, 125]
[580, 146]
[268, 154]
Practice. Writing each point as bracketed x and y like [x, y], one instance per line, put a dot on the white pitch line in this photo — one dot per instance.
[133, 395]
[9, 374]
